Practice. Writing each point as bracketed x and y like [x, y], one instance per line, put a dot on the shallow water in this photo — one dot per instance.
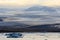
[33, 18]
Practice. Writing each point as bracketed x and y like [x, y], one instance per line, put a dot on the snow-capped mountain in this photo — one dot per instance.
[41, 8]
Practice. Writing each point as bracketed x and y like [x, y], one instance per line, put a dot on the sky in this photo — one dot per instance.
[29, 2]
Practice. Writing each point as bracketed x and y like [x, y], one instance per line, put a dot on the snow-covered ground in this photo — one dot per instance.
[33, 36]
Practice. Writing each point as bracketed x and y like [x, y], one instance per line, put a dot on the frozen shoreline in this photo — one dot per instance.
[34, 36]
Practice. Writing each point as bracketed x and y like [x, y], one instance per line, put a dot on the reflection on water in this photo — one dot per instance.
[13, 35]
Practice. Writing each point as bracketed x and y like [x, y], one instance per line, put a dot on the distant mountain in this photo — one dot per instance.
[41, 8]
[35, 28]
[5, 26]
[44, 28]
[3, 10]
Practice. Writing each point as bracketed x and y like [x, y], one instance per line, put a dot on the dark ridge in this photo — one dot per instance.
[36, 28]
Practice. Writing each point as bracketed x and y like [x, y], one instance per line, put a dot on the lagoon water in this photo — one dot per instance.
[33, 14]
[30, 36]
[32, 17]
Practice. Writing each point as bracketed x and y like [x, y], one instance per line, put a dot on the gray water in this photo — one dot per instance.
[32, 17]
